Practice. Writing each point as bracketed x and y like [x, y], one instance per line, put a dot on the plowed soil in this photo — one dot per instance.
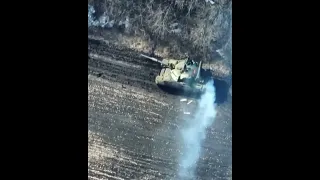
[133, 125]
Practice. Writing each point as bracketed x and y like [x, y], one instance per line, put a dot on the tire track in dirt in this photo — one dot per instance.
[131, 127]
[132, 124]
[120, 53]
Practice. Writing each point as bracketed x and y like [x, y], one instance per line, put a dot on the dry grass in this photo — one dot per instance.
[192, 24]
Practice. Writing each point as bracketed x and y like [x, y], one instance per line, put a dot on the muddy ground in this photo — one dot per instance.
[133, 125]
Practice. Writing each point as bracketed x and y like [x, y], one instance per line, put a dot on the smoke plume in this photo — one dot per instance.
[195, 133]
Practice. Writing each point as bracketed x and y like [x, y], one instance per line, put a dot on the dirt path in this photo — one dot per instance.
[133, 125]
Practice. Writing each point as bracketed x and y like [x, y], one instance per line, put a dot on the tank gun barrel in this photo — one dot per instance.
[151, 58]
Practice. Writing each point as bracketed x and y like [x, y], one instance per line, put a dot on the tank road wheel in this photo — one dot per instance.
[160, 76]
[158, 79]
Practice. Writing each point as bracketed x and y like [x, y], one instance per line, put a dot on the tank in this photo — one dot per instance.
[183, 74]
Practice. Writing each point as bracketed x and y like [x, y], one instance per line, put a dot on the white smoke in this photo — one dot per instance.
[195, 133]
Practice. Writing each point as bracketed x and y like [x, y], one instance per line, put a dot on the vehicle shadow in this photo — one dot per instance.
[221, 88]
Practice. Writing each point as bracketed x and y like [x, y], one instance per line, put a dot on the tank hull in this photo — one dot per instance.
[166, 79]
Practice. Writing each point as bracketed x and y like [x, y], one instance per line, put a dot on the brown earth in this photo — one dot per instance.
[133, 126]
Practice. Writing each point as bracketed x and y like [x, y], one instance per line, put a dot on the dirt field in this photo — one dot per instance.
[133, 126]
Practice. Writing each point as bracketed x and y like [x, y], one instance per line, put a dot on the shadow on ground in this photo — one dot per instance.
[222, 89]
